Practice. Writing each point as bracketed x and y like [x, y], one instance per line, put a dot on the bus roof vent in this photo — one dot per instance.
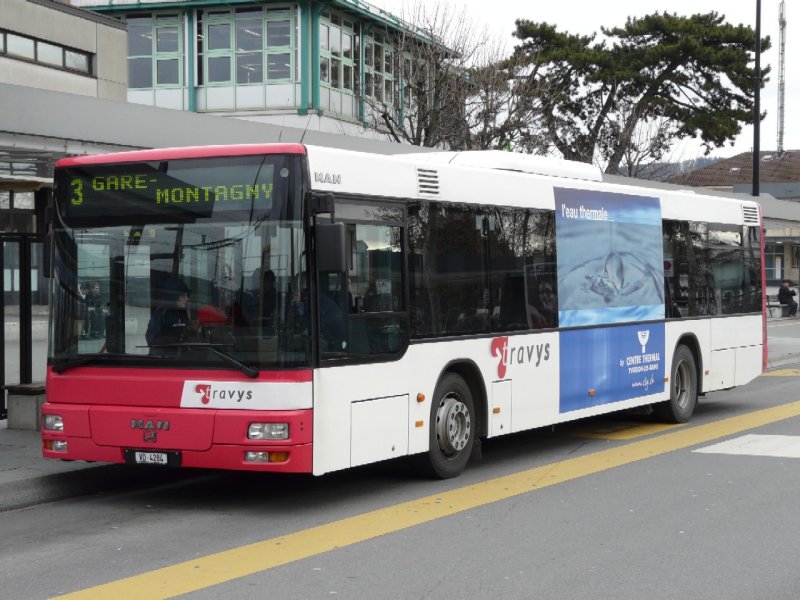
[500, 160]
[427, 182]
[750, 214]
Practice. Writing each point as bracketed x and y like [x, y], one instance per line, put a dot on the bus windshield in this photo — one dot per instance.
[183, 262]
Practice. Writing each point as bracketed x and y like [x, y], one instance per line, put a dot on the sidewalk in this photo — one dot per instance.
[27, 479]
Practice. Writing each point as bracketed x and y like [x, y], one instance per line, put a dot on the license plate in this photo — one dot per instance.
[150, 458]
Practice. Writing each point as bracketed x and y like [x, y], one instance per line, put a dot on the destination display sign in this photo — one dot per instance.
[181, 190]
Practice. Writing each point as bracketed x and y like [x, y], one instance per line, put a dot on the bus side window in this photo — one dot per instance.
[332, 306]
[375, 290]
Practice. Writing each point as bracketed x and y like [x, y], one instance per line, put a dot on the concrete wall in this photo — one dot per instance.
[105, 39]
[312, 122]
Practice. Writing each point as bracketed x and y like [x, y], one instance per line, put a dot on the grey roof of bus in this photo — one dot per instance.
[514, 161]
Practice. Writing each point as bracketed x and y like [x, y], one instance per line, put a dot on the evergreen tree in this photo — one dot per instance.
[690, 74]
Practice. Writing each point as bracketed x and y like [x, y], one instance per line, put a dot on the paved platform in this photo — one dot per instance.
[26, 478]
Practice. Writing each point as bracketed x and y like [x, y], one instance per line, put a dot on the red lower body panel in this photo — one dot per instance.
[211, 439]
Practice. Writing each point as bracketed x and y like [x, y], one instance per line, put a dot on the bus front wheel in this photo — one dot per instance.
[452, 428]
[683, 389]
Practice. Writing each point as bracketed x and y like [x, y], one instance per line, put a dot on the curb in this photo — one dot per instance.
[93, 479]
[57, 486]
[783, 361]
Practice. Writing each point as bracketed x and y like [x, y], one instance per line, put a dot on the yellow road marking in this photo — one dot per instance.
[622, 431]
[214, 569]
[782, 373]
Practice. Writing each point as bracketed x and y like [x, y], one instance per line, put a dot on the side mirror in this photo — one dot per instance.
[331, 256]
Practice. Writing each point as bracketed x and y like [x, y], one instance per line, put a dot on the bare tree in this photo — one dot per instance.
[650, 141]
[502, 108]
[453, 86]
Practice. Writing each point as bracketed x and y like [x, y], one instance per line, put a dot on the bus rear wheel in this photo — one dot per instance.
[452, 428]
[683, 389]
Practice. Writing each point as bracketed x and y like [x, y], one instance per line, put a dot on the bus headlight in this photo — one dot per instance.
[268, 431]
[55, 445]
[53, 423]
[265, 457]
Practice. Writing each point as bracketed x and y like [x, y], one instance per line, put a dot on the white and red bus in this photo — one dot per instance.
[346, 308]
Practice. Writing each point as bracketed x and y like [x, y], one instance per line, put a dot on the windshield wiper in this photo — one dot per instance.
[84, 359]
[248, 370]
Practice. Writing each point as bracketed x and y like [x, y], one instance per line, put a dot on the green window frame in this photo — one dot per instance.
[250, 45]
[337, 53]
[380, 70]
[218, 34]
[281, 45]
[155, 50]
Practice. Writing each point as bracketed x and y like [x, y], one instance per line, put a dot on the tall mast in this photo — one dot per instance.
[781, 72]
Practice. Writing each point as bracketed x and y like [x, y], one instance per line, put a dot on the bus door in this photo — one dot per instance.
[361, 291]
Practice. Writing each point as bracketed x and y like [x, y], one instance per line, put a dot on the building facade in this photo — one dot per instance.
[308, 64]
[45, 46]
[48, 45]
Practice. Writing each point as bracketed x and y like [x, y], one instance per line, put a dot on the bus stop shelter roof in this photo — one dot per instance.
[40, 126]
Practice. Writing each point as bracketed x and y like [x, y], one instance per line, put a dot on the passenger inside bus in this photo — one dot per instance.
[543, 309]
[170, 324]
[511, 313]
[333, 303]
[96, 312]
[258, 304]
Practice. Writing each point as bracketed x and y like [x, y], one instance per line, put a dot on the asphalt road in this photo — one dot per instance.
[610, 508]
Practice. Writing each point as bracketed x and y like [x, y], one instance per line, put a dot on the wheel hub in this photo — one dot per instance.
[453, 425]
[680, 383]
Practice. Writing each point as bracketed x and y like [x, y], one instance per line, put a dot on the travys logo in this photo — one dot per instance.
[209, 392]
[263, 395]
[205, 390]
[532, 354]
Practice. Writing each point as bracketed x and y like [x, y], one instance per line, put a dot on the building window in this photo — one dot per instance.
[336, 54]
[379, 71]
[22, 47]
[155, 51]
[249, 46]
[17, 212]
[773, 262]
[280, 47]
[245, 46]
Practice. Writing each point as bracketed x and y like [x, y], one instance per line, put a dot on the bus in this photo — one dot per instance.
[346, 308]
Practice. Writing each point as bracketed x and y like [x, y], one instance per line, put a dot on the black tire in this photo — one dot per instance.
[453, 427]
[682, 389]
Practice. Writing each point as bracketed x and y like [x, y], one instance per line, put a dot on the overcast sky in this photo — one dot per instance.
[584, 16]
